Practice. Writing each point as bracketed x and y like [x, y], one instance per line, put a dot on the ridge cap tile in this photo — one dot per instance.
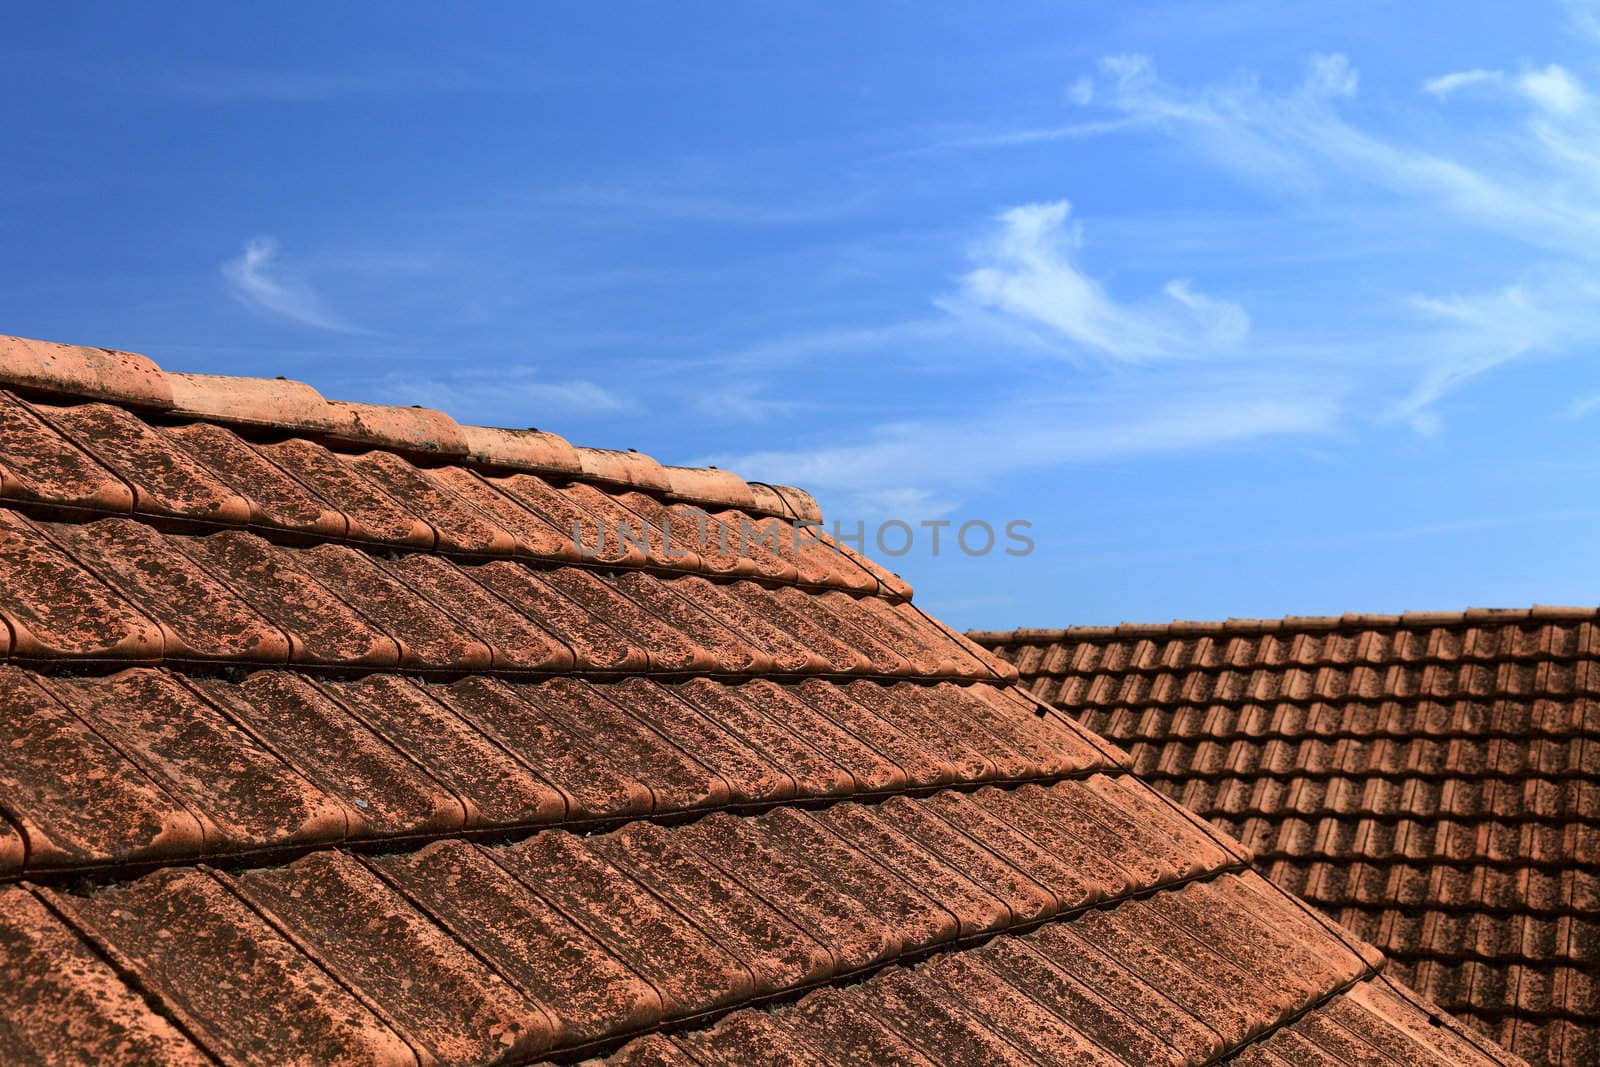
[270, 403]
[407, 429]
[624, 468]
[709, 485]
[79, 371]
[537, 451]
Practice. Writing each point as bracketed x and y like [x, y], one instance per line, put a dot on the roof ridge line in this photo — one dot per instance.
[1292, 624]
[129, 379]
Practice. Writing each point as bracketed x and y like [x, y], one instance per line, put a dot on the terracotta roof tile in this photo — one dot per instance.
[370, 513]
[54, 609]
[460, 526]
[63, 1001]
[39, 465]
[425, 634]
[383, 792]
[276, 499]
[492, 784]
[80, 371]
[1454, 796]
[444, 1003]
[165, 479]
[478, 796]
[270, 403]
[198, 947]
[79, 801]
[178, 738]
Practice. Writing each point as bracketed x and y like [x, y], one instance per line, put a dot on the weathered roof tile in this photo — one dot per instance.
[484, 794]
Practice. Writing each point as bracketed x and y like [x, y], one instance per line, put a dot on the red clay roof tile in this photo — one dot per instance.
[276, 499]
[245, 992]
[39, 465]
[365, 647]
[444, 1003]
[76, 798]
[54, 609]
[270, 403]
[370, 513]
[776, 951]
[1466, 762]
[525, 450]
[321, 628]
[179, 740]
[165, 479]
[63, 1002]
[384, 793]
[199, 616]
[78, 371]
[495, 788]
[587, 991]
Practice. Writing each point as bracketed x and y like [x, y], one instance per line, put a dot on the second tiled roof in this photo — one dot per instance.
[1430, 779]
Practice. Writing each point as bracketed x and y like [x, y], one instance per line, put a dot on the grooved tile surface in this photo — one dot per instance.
[1429, 780]
[344, 734]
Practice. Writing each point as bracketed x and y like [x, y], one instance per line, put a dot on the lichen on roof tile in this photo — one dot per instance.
[330, 740]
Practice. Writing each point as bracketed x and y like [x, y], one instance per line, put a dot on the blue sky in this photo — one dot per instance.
[1249, 308]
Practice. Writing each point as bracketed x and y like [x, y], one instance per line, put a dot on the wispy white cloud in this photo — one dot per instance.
[920, 461]
[1536, 183]
[1553, 89]
[1552, 313]
[1081, 94]
[1028, 272]
[1445, 84]
[1533, 183]
[258, 280]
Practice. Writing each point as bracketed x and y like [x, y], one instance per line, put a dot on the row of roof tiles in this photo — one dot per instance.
[1358, 757]
[1391, 798]
[1509, 1002]
[1533, 720]
[1017, 1001]
[127, 379]
[1512, 974]
[469, 953]
[99, 459]
[1441, 842]
[119, 590]
[1549, 678]
[1353, 621]
[1366, 884]
[149, 766]
[1480, 642]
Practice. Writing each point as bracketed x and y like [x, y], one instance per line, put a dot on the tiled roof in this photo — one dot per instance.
[1431, 780]
[323, 744]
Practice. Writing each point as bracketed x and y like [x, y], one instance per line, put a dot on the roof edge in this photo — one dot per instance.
[1410, 620]
[81, 371]
[127, 378]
